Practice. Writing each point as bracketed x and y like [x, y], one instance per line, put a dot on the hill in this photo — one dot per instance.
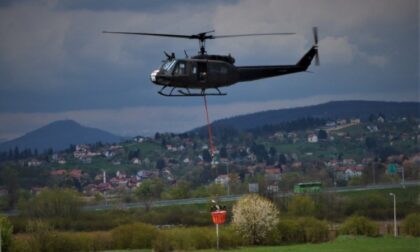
[58, 136]
[330, 111]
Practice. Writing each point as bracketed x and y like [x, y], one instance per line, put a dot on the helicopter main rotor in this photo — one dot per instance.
[201, 37]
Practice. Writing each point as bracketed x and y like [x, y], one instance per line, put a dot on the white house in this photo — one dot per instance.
[222, 179]
[34, 163]
[312, 138]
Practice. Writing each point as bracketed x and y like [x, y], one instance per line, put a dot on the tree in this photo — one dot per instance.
[272, 151]
[254, 217]
[359, 225]
[301, 205]
[48, 203]
[223, 152]
[215, 190]
[160, 164]
[148, 191]
[180, 191]
[6, 230]
[371, 143]
[41, 235]
[322, 135]
[9, 178]
[206, 156]
[282, 159]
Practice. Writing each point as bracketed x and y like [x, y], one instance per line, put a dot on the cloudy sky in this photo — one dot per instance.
[55, 63]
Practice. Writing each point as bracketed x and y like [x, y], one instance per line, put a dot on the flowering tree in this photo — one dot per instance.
[254, 217]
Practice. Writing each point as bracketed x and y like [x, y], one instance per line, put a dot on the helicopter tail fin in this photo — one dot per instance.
[313, 52]
[306, 60]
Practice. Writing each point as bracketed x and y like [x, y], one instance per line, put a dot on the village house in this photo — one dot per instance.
[312, 138]
[136, 161]
[348, 172]
[33, 163]
[273, 188]
[272, 174]
[59, 172]
[75, 173]
[62, 161]
[330, 124]
[138, 139]
[380, 119]
[222, 180]
[146, 174]
[341, 121]
[354, 120]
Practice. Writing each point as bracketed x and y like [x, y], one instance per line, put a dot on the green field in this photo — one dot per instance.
[347, 243]
[341, 244]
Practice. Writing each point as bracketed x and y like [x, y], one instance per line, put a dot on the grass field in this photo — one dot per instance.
[341, 244]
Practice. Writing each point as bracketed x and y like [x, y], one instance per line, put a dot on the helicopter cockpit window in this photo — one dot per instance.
[167, 66]
[180, 68]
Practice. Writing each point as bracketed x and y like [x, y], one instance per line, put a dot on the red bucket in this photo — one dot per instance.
[218, 217]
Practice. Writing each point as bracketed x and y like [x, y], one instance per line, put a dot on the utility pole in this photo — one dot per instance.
[395, 214]
[228, 184]
[402, 175]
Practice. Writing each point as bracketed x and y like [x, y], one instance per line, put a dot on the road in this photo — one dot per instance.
[227, 198]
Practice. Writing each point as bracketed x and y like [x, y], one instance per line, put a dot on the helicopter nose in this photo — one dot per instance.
[153, 76]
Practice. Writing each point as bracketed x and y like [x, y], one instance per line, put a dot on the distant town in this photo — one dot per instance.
[267, 160]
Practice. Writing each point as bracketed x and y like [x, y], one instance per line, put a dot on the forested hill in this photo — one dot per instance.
[329, 111]
[58, 136]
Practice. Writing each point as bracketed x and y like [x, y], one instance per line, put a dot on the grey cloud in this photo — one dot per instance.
[54, 57]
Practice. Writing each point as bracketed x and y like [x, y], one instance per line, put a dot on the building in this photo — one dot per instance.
[222, 180]
[312, 138]
[273, 174]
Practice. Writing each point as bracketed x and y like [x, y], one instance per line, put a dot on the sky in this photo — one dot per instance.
[55, 62]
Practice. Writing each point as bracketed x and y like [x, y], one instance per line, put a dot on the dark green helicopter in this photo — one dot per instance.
[205, 71]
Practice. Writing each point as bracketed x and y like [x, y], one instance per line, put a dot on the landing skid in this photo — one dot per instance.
[187, 92]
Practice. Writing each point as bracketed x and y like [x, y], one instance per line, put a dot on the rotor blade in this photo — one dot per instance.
[315, 31]
[251, 34]
[154, 34]
[317, 59]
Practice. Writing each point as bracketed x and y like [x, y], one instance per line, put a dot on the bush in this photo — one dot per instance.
[184, 239]
[301, 205]
[287, 231]
[20, 243]
[64, 242]
[40, 235]
[176, 239]
[314, 230]
[411, 224]
[307, 229]
[81, 241]
[359, 225]
[134, 236]
[6, 230]
[64, 203]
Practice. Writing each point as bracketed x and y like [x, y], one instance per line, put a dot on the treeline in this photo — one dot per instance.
[39, 235]
[14, 154]
[295, 125]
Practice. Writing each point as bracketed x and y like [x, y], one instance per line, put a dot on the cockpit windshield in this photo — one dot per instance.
[168, 65]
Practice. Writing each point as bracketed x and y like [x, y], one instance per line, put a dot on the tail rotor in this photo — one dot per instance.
[315, 33]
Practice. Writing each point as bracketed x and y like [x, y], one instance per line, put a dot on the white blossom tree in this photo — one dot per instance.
[254, 217]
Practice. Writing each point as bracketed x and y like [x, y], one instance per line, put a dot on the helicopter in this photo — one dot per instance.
[204, 71]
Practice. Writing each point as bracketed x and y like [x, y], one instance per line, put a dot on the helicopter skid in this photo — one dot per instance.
[187, 92]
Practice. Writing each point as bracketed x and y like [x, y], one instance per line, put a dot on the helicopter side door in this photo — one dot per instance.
[180, 73]
[201, 71]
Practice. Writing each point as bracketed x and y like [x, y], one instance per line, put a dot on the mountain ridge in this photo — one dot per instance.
[59, 135]
[329, 110]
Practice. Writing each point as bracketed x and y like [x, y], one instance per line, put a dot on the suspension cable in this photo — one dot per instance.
[209, 128]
